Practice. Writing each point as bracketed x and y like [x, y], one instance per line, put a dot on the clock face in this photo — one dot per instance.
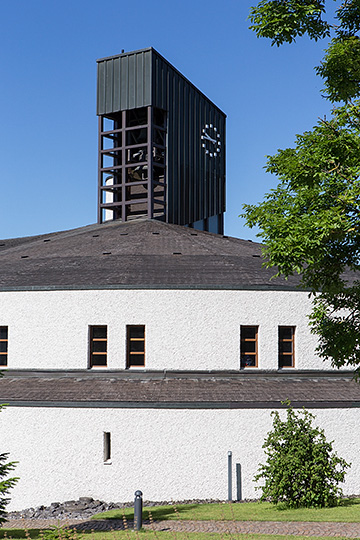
[210, 140]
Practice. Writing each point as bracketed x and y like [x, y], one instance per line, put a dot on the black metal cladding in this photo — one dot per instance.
[195, 179]
[124, 82]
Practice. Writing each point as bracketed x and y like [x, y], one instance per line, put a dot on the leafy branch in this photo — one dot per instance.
[310, 222]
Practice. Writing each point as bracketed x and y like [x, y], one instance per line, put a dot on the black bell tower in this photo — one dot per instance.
[161, 144]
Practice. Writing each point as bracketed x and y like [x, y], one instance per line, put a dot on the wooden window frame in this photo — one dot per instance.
[244, 340]
[4, 355]
[129, 340]
[285, 340]
[92, 340]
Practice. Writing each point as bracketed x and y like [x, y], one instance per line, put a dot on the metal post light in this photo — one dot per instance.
[238, 482]
[229, 476]
[138, 504]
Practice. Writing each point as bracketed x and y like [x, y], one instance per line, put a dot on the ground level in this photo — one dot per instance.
[345, 530]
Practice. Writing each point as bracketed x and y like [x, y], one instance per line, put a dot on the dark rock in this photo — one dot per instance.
[77, 507]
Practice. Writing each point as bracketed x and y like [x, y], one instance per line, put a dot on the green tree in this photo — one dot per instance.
[310, 224]
[284, 20]
[301, 468]
[5, 483]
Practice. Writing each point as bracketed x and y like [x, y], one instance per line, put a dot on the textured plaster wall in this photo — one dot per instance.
[185, 329]
[168, 454]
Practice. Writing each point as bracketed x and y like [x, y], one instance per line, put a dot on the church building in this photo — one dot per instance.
[140, 350]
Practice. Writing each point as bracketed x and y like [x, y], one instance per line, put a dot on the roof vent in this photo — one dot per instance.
[47, 240]
[24, 256]
[107, 253]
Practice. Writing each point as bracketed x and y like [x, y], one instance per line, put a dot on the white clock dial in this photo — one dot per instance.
[211, 140]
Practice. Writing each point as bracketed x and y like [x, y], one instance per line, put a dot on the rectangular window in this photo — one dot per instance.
[98, 346]
[286, 346]
[249, 346]
[3, 345]
[107, 446]
[135, 354]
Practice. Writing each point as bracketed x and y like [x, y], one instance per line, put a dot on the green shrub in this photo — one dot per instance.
[5, 483]
[301, 467]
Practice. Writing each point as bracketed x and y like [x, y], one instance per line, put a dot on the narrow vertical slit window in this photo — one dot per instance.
[107, 446]
[249, 346]
[286, 346]
[98, 346]
[3, 345]
[135, 355]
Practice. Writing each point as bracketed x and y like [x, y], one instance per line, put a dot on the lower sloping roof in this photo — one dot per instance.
[171, 390]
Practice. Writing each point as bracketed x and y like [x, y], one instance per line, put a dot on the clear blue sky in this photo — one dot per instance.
[48, 128]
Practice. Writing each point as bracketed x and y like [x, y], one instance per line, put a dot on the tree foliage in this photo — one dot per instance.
[340, 68]
[310, 223]
[336, 320]
[5, 483]
[284, 20]
[301, 468]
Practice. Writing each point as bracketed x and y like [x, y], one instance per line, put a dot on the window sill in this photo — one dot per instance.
[249, 367]
[98, 367]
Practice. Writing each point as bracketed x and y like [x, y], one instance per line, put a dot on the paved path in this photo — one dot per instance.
[349, 530]
[296, 528]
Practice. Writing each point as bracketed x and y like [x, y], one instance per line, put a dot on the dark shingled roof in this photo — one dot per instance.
[140, 253]
[174, 390]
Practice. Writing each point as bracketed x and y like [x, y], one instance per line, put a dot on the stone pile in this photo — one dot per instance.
[85, 507]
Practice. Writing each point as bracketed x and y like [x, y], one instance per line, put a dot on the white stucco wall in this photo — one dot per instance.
[185, 329]
[168, 454]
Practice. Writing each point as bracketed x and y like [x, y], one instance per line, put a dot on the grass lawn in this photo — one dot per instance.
[348, 511]
[35, 534]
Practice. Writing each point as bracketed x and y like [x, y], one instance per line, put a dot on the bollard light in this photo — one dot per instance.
[138, 504]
